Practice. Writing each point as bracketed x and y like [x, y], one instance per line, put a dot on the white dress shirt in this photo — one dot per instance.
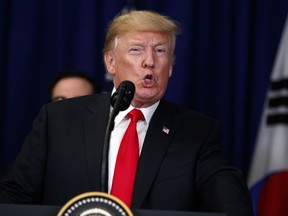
[120, 126]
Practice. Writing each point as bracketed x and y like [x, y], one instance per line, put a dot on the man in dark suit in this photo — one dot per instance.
[181, 164]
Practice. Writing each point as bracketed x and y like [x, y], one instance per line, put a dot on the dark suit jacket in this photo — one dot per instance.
[183, 169]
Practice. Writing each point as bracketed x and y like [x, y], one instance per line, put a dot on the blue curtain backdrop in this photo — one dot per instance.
[224, 59]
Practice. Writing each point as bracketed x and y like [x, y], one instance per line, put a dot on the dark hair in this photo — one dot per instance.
[75, 73]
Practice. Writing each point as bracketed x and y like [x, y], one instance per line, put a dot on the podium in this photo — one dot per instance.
[44, 210]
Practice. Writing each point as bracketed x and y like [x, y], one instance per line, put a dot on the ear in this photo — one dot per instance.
[109, 59]
[170, 70]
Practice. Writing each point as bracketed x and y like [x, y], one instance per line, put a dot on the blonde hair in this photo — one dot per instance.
[141, 21]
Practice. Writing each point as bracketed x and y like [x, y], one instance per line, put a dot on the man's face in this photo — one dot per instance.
[144, 58]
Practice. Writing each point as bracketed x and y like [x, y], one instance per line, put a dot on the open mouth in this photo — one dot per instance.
[148, 80]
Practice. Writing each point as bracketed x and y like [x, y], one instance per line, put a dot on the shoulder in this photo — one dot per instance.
[76, 108]
[183, 113]
[187, 121]
[79, 102]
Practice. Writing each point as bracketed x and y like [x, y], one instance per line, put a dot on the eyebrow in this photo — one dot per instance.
[139, 43]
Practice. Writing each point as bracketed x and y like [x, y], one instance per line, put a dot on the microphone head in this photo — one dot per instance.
[125, 93]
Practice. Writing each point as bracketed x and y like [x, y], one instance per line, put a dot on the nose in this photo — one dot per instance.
[149, 61]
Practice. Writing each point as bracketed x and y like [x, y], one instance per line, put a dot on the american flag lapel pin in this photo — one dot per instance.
[165, 130]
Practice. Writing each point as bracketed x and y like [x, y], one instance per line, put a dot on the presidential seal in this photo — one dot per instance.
[95, 204]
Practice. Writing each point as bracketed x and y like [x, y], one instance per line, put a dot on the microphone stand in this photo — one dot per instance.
[109, 128]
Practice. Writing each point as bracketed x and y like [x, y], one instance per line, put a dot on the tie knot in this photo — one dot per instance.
[136, 115]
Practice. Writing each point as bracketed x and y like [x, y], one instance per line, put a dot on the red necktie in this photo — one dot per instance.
[127, 161]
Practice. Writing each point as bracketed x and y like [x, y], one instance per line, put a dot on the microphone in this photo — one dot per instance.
[123, 96]
[120, 101]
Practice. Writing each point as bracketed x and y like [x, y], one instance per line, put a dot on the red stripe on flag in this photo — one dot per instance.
[274, 196]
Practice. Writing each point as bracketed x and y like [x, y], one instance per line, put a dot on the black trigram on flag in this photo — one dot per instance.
[278, 103]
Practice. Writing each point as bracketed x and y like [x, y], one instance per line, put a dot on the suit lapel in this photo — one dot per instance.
[156, 144]
[95, 125]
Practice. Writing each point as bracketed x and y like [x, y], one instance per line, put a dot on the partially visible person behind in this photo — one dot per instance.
[72, 83]
[69, 84]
